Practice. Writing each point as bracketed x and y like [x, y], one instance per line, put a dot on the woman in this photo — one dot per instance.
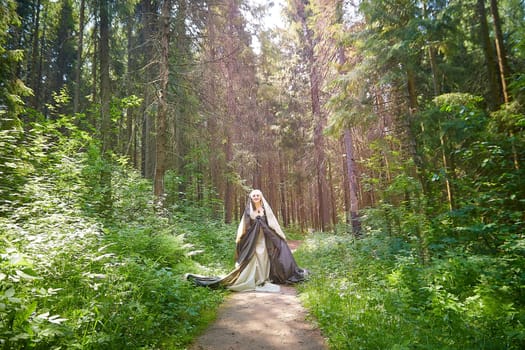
[262, 255]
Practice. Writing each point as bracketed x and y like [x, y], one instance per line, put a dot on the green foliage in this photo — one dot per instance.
[12, 89]
[212, 242]
[432, 272]
[374, 294]
[484, 154]
[70, 280]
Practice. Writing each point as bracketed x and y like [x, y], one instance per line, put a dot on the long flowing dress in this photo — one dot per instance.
[263, 258]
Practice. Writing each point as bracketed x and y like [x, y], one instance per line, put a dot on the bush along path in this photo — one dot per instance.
[261, 320]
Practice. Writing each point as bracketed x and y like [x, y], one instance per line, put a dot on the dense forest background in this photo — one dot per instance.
[131, 132]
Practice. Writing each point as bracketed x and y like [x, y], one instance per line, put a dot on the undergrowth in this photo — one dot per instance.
[71, 280]
[372, 293]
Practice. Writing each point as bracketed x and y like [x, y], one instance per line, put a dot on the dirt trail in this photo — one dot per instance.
[258, 320]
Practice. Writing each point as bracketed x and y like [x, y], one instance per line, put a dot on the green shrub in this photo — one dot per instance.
[71, 280]
[374, 293]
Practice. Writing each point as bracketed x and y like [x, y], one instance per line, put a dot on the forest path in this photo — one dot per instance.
[259, 320]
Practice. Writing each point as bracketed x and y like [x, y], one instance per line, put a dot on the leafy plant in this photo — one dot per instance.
[373, 293]
[71, 280]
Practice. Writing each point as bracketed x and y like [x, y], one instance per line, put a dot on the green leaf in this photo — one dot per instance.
[10, 292]
[56, 319]
[26, 276]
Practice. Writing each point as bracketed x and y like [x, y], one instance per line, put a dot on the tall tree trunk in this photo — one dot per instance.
[500, 50]
[41, 92]
[504, 71]
[78, 68]
[148, 117]
[129, 137]
[346, 186]
[353, 210]
[228, 192]
[94, 72]
[105, 117]
[448, 173]
[332, 199]
[180, 147]
[282, 191]
[435, 70]
[228, 150]
[318, 119]
[160, 164]
[36, 71]
[432, 58]
[232, 68]
[411, 140]
[104, 77]
[351, 203]
[491, 61]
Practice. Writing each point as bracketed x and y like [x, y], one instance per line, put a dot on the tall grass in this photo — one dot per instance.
[374, 294]
[69, 280]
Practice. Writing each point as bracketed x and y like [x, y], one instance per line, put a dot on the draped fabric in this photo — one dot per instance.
[262, 256]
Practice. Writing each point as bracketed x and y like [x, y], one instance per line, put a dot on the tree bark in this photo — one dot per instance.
[491, 62]
[318, 119]
[504, 71]
[94, 72]
[162, 116]
[104, 77]
[129, 137]
[105, 117]
[353, 210]
[351, 203]
[432, 59]
[228, 191]
[412, 108]
[332, 199]
[148, 117]
[448, 185]
[78, 70]
[435, 69]
[282, 192]
[36, 66]
[500, 50]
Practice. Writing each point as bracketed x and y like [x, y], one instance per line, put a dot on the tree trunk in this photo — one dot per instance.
[435, 69]
[448, 186]
[351, 203]
[318, 119]
[148, 117]
[346, 186]
[411, 140]
[94, 72]
[36, 70]
[129, 137]
[105, 108]
[432, 59]
[504, 71]
[162, 116]
[228, 192]
[78, 70]
[494, 99]
[500, 50]
[353, 210]
[282, 192]
[104, 77]
[333, 203]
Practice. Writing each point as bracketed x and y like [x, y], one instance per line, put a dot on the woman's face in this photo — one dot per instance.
[256, 197]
